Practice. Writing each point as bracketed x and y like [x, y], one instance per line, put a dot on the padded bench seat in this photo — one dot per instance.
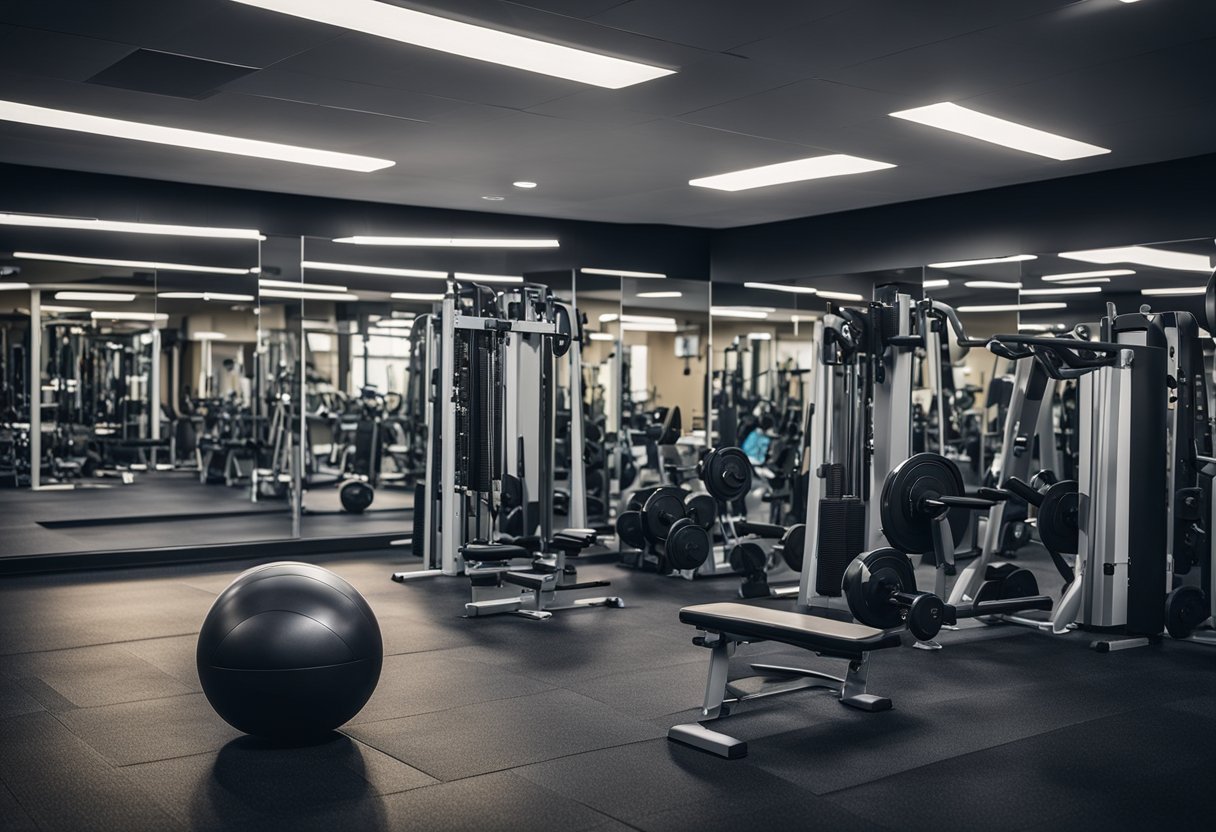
[826, 636]
[480, 552]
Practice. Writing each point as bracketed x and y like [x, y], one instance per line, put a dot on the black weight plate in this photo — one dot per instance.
[687, 545]
[356, 496]
[629, 471]
[870, 581]
[562, 340]
[595, 482]
[727, 474]
[906, 523]
[792, 545]
[1057, 518]
[1185, 609]
[747, 558]
[925, 616]
[664, 507]
[1016, 583]
[629, 529]
[1209, 305]
[702, 509]
[638, 499]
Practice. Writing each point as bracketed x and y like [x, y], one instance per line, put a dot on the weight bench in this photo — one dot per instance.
[489, 570]
[732, 624]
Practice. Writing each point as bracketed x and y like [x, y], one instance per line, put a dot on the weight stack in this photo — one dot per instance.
[842, 524]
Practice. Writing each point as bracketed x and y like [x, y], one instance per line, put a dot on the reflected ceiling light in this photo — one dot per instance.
[128, 316]
[383, 331]
[448, 242]
[799, 170]
[1087, 277]
[127, 264]
[759, 336]
[637, 327]
[660, 294]
[114, 297]
[494, 198]
[1158, 258]
[1067, 290]
[47, 307]
[267, 283]
[992, 284]
[10, 287]
[621, 273]
[825, 293]
[609, 317]
[602, 336]
[91, 224]
[208, 336]
[208, 296]
[396, 323]
[1042, 327]
[355, 268]
[1175, 290]
[936, 284]
[1013, 307]
[488, 278]
[728, 312]
[191, 139]
[527, 186]
[777, 287]
[287, 293]
[417, 296]
[469, 41]
[958, 264]
[948, 116]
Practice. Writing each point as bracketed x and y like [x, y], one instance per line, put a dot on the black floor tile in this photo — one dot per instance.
[248, 781]
[419, 683]
[154, 729]
[12, 817]
[63, 784]
[85, 677]
[16, 700]
[482, 738]
[173, 655]
[1094, 775]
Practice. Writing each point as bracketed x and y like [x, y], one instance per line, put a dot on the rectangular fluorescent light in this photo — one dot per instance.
[417, 296]
[958, 264]
[777, 287]
[727, 312]
[206, 335]
[660, 294]
[449, 242]
[992, 284]
[1086, 277]
[1042, 327]
[13, 287]
[46, 307]
[824, 293]
[469, 41]
[126, 264]
[621, 273]
[396, 323]
[114, 297]
[208, 296]
[267, 283]
[609, 317]
[936, 284]
[354, 268]
[1066, 290]
[799, 170]
[637, 327]
[91, 224]
[1157, 258]
[759, 336]
[1013, 307]
[488, 278]
[192, 139]
[1175, 290]
[602, 336]
[128, 316]
[304, 295]
[948, 116]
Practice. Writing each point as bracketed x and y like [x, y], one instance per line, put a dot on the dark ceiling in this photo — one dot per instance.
[758, 82]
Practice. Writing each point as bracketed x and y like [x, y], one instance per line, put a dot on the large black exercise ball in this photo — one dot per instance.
[289, 651]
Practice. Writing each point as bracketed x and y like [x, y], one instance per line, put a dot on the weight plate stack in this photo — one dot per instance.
[870, 581]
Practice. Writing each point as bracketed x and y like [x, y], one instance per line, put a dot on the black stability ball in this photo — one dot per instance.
[289, 651]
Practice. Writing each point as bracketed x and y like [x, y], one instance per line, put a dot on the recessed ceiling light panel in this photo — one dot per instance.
[956, 119]
[799, 170]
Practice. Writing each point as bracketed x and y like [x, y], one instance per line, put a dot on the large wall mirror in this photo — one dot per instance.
[608, 459]
[125, 347]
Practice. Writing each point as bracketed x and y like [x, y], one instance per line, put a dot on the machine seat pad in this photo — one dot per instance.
[493, 551]
[529, 580]
[810, 632]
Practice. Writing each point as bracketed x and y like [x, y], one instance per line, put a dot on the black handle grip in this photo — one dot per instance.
[1023, 491]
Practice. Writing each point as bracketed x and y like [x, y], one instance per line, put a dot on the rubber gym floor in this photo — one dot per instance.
[508, 724]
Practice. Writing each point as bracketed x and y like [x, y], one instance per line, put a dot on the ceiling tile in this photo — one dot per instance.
[57, 55]
[342, 95]
[686, 21]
